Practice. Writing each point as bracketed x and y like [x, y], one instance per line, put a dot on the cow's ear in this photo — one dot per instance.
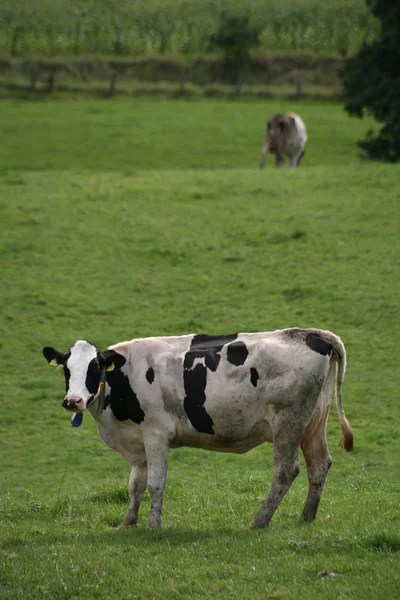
[112, 360]
[54, 357]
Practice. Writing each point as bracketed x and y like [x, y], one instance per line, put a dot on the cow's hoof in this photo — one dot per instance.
[259, 523]
[307, 517]
[153, 523]
[128, 523]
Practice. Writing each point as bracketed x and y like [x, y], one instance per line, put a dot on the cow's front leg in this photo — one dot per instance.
[279, 160]
[157, 466]
[137, 485]
[294, 160]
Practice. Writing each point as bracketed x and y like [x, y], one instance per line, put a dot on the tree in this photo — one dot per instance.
[372, 83]
[235, 35]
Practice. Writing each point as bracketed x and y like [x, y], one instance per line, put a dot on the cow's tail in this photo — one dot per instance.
[347, 441]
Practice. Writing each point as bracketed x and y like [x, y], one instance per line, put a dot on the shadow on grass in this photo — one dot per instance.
[385, 542]
[127, 536]
[158, 539]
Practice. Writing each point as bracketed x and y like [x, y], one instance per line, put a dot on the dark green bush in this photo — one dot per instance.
[372, 83]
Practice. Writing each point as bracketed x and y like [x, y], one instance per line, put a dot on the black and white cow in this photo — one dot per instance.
[227, 393]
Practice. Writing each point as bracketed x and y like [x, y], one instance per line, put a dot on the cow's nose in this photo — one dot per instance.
[72, 403]
[66, 403]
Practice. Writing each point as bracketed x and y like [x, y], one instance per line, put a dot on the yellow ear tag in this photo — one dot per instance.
[111, 367]
[53, 362]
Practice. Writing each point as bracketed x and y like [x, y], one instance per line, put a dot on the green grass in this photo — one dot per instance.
[130, 136]
[134, 218]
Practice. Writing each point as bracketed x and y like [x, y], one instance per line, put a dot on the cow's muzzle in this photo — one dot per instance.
[72, 405]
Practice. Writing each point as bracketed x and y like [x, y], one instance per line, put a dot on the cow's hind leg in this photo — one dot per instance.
[137, 485]
[318, 463]
[315, 449]
[286, 469]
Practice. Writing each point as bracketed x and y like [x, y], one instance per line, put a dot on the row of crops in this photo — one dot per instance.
[148, 27]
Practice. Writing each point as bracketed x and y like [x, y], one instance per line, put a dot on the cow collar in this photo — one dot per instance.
[101, 392]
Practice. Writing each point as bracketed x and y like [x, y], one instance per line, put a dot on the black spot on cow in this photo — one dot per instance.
[150, 375]
[254, 376]
[318, 344]
[237, 353]
[195, 382]
[122, 399]
[93, 376]
[210, 358]
[67, 374]
[211, 342]
[206, 349]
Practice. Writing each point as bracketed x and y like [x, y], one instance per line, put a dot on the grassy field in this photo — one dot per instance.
[132, 218]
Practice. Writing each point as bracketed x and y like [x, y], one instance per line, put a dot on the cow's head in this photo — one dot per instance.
[83, 368]
[279, 124]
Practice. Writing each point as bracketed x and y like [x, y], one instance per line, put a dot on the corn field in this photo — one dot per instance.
[177, 27]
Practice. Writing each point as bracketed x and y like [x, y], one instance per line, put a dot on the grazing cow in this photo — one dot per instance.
[227, 393]
[286, 134]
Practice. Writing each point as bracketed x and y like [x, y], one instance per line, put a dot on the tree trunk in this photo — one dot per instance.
[113, 82]
[51, 79]
[34, 76]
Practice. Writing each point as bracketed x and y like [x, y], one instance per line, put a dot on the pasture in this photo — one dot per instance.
[134, 218]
